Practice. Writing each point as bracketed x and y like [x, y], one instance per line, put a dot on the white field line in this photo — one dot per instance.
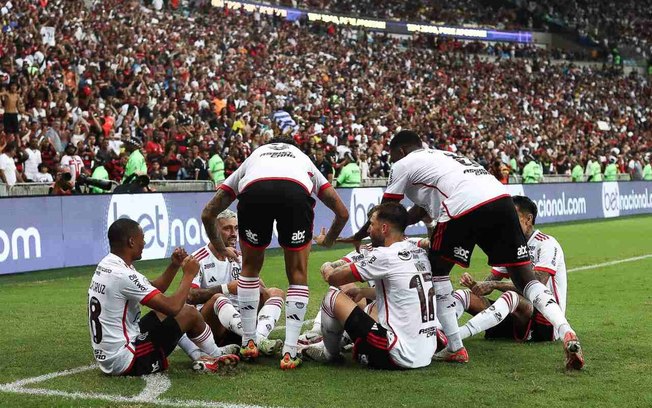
[610, 263]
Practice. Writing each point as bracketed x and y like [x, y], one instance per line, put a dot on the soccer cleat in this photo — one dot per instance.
[459, 356]
[317, 352]
[269, 347]
[574, 355]
[216, 364]
[289, 363]
[310, 337]
[230, 349]
[250, 351]
[442, 341]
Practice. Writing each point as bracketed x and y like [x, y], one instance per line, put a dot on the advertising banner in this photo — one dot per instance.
[54, 232]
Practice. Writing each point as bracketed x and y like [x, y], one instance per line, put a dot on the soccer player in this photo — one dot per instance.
[511, 316]
[275, 183]
[404, 334]
[475, 210]
[214, 290]
[125, 344]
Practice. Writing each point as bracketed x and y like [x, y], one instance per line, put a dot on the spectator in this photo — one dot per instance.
[73, 162]
[12, 104]
[323, 165]
[635, 168]
[596, 171]
[500, 171]
[33, 160]
[611, 171]
[200, 166]
[155, 173]
[172, 160]
[8, 173]
[363, 164]
[350, 174]
[136, 163]
[43, 175]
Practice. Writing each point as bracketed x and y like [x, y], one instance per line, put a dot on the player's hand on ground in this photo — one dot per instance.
[178, 256]
[355, 294]
[467, 280]
[190, 266]
[320, 239]
[482, 288]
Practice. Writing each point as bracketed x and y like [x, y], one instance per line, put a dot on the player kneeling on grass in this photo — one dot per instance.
[404, 334]
[512, 316]
[215, 291]
[125, 344]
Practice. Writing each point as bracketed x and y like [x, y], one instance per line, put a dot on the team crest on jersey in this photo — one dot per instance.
[405, 255]
[142, 336]
[235, 271]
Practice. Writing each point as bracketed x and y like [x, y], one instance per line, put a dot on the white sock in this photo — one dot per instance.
[190, 348]
[268, 316]
[462, 301]
[296, 305]
[248, 298]
[537, 293]
[446, 311]
[228, 315]
[316, 324]
[331, 329]
[206, 343]
[491, 316]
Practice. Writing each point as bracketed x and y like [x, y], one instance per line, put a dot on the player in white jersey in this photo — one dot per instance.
[214, 291]
[275, 183]
[511, 316]
[475, 210]
[123, 342]
[404, 334]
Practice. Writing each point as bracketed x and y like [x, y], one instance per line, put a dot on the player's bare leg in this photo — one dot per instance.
[249, 297]
[544, 301]
[454, 351]
[296, 303]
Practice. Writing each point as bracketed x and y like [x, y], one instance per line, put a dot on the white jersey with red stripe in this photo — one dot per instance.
[405, 299]
[114, 298]
[215, 272]
[276, 161]
[433, 178]
[547, 256]
[75, 164]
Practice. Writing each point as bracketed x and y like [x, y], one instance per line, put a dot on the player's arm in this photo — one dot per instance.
[172, 305]
[416, 214]
[220, 202]
[338, 276]
[198, 296]
[163, 282]
[332, 200]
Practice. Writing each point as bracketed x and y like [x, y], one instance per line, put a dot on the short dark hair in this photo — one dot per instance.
[283, 139]
[405, 138]
[11, 147]
[120, 231]
[393, 213]
[527, 206]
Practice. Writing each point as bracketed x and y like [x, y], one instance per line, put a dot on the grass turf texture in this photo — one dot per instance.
[44, 329]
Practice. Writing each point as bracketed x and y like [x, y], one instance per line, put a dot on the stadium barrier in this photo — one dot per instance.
[53, 232]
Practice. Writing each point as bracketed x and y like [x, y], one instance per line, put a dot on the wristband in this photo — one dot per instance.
[225, 288]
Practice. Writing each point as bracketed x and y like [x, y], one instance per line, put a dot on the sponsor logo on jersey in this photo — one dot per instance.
[461, 253]
[133, 278]
[429, 331]
[522, 252]
[99, 355]
[210, 265]
[100, 270]
[212, 279]
[251, 236]
[372, 259]
[298, 237]
[278, 155]
[405, 255]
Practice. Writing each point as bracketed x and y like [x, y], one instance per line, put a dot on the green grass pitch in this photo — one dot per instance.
[44, 330]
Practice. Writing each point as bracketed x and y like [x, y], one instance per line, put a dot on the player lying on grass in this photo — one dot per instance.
[512, 316]
[215, 292]
[125, 344]
[404, 334]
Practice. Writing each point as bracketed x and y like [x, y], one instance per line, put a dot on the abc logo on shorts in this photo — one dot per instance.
[150, 211]
[610, 199]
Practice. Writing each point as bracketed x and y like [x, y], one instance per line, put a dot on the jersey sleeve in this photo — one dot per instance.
[196, 282]
[136, 286]
[548, 257]
[372, 267]
[230, 185]
[398, 180]
[500, 272]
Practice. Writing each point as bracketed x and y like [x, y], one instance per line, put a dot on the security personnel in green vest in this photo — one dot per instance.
[99, 173]
[532, 172]
[350, 174]
[136, 163]
[216, 168]
[611, 171]
[596, 170]
[577, 172]
[647, 170]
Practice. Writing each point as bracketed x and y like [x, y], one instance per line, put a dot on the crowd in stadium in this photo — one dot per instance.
[181, 98]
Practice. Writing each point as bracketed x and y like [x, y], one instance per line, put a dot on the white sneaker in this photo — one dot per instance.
[317, 352]
[269, 347]
[310, 337]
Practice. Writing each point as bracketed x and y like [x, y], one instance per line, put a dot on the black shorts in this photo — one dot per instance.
[494, 227]
[285, 201]
[370, 346]
[10, 122]
[511, 329]
[157, 339]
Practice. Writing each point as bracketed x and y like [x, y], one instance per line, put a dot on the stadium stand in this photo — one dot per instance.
[195, 91]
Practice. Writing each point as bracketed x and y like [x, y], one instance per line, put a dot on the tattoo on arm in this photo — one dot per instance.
[338, 263]
[215, 206]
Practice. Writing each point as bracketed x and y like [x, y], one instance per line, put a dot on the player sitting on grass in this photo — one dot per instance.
[404, 334]
[512, 316]
[125, 344]
[215, 288]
